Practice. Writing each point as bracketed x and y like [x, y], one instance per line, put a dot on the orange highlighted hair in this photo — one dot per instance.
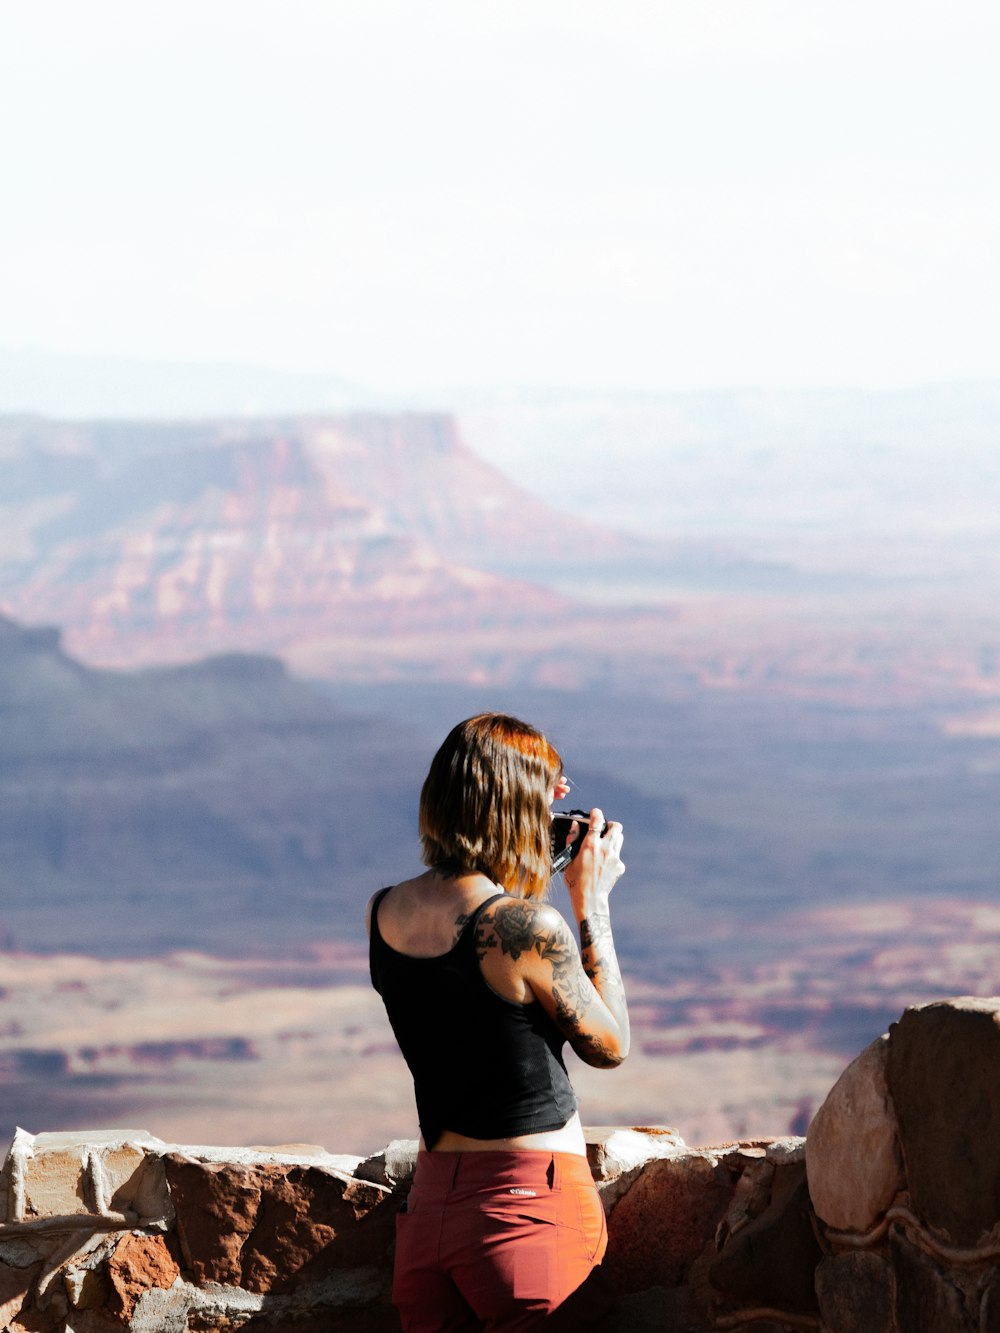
[484, 806]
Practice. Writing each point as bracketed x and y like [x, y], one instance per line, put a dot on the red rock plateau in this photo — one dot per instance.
[382, 548]
[158, 543]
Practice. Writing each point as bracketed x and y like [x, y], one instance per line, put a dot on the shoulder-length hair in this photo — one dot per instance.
[485, 804]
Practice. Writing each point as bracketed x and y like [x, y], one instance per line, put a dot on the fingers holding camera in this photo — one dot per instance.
[590, 878]
[609, 832]
[598, 865]
[615, 836]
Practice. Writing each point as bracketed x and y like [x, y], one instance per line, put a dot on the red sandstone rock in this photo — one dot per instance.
[853, 1156]
[660, 1226]
[271, 1226]
[14, 1286]
[216, 1205]
[138, 1264]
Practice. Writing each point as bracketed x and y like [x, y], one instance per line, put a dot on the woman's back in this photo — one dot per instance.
[485, 1066]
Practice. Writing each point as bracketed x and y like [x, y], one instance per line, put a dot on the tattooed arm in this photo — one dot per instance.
[590, 877]
[581, 988]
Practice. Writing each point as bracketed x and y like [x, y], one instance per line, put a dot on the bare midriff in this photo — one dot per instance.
[569, 1138]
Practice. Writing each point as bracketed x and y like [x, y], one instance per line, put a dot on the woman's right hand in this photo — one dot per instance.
[597, 866]
[580, 988]
[591, 1009]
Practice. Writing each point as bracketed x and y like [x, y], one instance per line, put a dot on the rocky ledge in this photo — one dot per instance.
[886, 1219]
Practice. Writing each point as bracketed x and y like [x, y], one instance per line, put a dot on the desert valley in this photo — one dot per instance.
[230, 647]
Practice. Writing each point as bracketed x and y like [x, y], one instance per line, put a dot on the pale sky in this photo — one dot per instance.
[466, 193]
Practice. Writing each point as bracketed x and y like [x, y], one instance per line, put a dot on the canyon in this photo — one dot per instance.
[228, 650]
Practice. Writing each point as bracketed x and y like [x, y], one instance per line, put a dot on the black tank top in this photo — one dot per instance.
[482, 1066]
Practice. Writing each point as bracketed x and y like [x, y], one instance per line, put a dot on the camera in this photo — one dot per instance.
[562, 822]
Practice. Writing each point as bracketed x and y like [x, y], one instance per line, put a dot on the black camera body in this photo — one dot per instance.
[562, 822]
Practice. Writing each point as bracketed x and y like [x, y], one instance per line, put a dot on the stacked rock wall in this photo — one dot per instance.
[886, 1220]
[118, 1230]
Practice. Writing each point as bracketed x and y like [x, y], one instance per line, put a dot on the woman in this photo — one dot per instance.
[483, 984]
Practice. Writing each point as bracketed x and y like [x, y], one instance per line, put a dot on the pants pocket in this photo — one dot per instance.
[593, 1224]
[521, 1252]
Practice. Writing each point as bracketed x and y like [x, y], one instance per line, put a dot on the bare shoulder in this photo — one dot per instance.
[523, 926]
[370, 907]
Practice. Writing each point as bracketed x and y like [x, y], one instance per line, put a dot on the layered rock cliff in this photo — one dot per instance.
[156, 542]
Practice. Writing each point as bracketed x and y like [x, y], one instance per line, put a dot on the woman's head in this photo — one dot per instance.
[485, 803]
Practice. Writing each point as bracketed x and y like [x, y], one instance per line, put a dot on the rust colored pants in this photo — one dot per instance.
[495, 1241]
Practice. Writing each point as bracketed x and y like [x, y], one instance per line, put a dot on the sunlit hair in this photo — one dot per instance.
[484, 806]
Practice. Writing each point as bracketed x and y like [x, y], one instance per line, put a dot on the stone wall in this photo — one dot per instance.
[118, 1230]
[886, 1220]
[904, 1175]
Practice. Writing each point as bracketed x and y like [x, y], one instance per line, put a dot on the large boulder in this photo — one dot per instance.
[853, 1157]
[944, 1079]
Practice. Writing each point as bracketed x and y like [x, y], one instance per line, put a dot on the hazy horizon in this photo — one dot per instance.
[433, 198]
